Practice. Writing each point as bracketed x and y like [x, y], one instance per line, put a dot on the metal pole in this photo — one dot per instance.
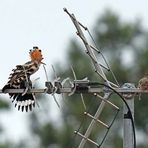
[128, 138]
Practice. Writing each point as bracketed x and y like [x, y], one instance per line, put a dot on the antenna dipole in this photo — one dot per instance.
[89, 51]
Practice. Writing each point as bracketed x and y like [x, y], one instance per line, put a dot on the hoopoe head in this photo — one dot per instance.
[36, 54]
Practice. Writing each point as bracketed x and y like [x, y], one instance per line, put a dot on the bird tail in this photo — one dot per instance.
[22, 102]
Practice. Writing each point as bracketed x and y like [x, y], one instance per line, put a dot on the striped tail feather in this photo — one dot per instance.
[26, 102]
[22, 102]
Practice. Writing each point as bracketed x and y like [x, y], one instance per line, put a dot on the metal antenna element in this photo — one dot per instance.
[91, 90]
[56, 100]
[100, 52]
[55, 89]
[45, 73]
[89, 51]
[73, 72]
[33, 83]
[55, 75]
[75, 78]
[99, 70]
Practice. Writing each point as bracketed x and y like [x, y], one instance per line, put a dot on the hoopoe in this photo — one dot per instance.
[20, 78]
[143, 83]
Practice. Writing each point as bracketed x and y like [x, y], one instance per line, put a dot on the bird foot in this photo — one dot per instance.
[26, 90]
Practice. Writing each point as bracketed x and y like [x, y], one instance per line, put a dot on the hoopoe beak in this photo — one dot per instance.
[43, 63]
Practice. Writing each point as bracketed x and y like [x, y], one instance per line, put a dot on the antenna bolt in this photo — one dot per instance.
[86, 28]
[95, 94]
[64, 9]
[85, 113]
[77, 33]
[86, 52]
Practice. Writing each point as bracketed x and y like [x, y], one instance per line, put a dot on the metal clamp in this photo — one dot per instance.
[128, 86]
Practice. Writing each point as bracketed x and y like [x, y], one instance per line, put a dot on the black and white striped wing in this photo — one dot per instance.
[17, 80]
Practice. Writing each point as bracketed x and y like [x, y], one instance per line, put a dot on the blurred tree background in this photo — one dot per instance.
[125, 47]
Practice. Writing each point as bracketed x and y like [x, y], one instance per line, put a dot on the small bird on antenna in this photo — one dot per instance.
[143, 83]
[20, 79]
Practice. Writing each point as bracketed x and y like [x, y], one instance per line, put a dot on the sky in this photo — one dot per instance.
[43, 23]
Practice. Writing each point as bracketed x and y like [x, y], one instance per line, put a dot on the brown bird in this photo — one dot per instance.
[143, 83]
[20, 76]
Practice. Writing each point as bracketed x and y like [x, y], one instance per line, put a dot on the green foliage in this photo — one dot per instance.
[8, 144]
[4, 104]
[112, 34]
[4, 146]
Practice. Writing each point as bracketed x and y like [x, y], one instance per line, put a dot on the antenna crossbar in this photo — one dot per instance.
[87, 139]
[99, 121]
[91, 125]
[110, 103]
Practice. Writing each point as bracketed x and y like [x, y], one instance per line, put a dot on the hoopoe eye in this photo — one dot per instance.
[40, 51]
